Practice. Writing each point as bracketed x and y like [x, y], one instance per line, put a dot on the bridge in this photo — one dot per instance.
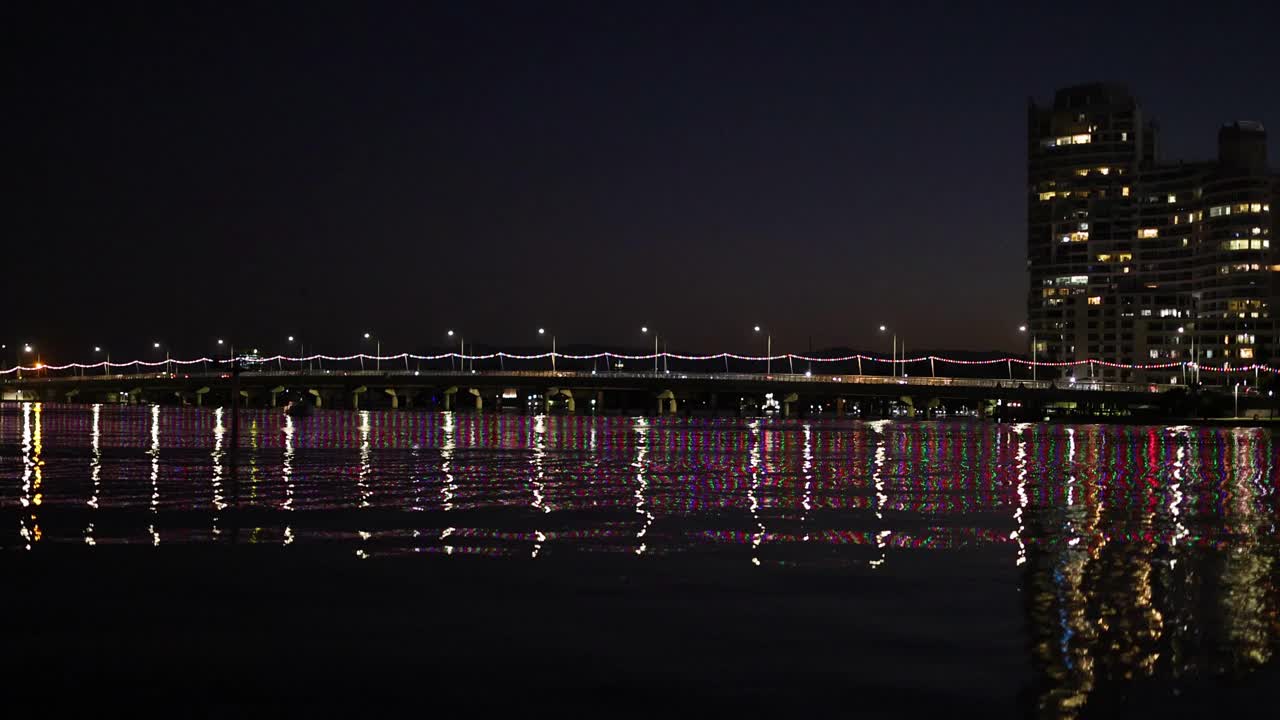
[618, 392]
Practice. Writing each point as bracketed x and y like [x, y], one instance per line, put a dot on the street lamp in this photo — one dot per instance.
[462, 351]
[893, 361]
[1182, 330]
[645, 329]
[156, 346]
[26, 348]
[106, 369]
[768, 351]
[543, 331]
[1023, 329]
[377, 359]
[302, 351]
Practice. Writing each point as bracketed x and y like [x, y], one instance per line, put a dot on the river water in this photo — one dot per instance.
[1036, 570]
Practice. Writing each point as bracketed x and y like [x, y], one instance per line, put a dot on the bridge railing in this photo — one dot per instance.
[907, 382]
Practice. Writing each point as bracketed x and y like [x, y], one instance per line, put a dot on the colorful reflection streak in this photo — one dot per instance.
[1143, 553]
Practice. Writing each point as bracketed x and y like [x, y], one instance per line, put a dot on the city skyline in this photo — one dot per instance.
[704, 172]
[1137, 257]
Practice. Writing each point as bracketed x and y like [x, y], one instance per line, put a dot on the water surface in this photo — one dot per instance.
[1029, 570]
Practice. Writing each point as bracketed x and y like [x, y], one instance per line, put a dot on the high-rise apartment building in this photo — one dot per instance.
[1139, 261]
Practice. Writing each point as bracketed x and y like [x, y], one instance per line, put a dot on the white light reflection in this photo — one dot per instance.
[447, 448]
[537, 460]
[29, 468]
[754, 459]
[1175, 490]
[806, 471]
[154, 452]
[215, 481]
[95, 468]
[286, 463]
[362, 479]
[877, 483]
[1019, 514]
[450, 487]
[642, 482]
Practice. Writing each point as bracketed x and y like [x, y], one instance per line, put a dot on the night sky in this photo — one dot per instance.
[184, 171]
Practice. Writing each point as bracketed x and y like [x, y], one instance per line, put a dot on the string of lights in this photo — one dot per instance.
[861, 358]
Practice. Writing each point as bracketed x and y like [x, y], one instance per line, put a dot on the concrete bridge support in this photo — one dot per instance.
[395, 399]
[787, 403]
[667, 403]
[355, 396]
[839, 407]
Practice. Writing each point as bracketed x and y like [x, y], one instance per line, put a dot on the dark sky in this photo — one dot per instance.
[183, 171]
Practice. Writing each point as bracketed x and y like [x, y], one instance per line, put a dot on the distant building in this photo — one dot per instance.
[1138, 261]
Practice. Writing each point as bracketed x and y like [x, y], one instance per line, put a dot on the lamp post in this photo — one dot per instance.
[1181, 331]
[302, 351]
[230, 349]
[543, 331]
[1236, 392]
[645, 329]
[893, 362]
[1023, 329]
[26, 348]
[377, 353]
[768, 351]
[106, 368]
[156, 346]
[462, 351]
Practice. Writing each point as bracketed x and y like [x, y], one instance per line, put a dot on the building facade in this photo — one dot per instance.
[1138, 261]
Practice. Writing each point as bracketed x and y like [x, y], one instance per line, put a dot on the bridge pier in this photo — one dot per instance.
[355, 396]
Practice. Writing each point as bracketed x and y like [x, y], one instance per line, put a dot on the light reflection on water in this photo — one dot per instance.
[1142, 552]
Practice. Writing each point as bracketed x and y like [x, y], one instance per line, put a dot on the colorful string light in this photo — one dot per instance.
[1225, 368]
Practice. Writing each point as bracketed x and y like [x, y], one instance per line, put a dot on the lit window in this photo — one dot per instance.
[1095, 300]
[1148, 233]
[1255, 207]
[1219, 210]
[1124, 137]
[1246, 353]
[1104, 258]
[1173, 198]
[1048, 195]
[1079, 236]
[1104, 170]
[1077, 139]
[1257, 231]
[1124, 191]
